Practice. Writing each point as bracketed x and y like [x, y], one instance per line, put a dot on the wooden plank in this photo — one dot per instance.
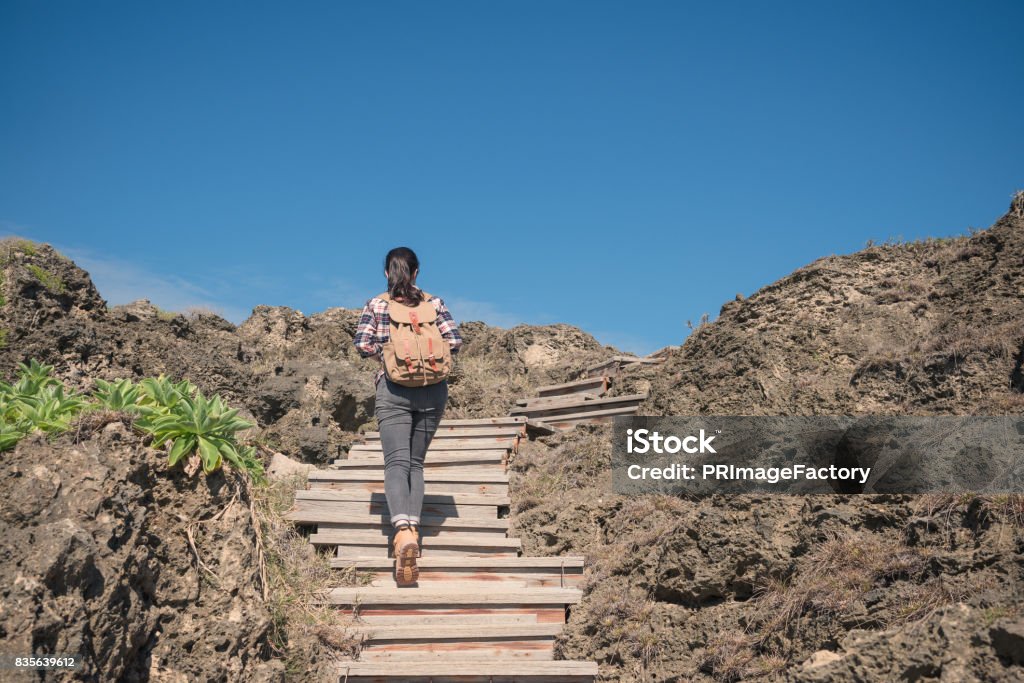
[468, 593]
[542, 614]
[435, 632]
[464, 432]
[466, 466]
[574, 405]
[497, 670]
[564, 422]
[492, 619]
[379, 507]
[582, 414]
[381, 551]
[596, 385]
[378, 487]
[500, 580]
[305, 513]
[534, 402]
[480, 542]
[461, 444]
[430, 477]
[439, 455]
[523, 649]
[464, 527]
[433, 497]
[469, 422]
[493, 456]
[518, 563]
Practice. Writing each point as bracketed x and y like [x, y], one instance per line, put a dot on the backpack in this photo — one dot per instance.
[416, 355]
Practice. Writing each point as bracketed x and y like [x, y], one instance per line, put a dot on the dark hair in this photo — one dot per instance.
[400, 264]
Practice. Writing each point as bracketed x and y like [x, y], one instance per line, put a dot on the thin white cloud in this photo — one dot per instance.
[121, 282]
[626, 342]
[467, 309]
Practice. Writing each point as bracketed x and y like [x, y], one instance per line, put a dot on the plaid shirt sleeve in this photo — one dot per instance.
[368, 338]
[446, 324]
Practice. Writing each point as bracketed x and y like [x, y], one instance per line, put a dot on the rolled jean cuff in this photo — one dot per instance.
[414, 520]
[400, 520]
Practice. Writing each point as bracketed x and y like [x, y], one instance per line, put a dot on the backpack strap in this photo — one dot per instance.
[387, 297]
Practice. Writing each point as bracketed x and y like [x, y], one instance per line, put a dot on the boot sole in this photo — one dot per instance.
[406, 570]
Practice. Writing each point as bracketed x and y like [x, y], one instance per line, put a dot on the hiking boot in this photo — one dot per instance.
[407, 549]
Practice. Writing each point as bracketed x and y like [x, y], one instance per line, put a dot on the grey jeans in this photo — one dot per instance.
[407, 418]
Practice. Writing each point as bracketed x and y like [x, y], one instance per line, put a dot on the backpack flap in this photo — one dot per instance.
[417, 354]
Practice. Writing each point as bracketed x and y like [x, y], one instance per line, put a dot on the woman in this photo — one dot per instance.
[407, 416]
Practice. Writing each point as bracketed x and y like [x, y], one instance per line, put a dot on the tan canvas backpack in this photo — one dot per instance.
[417, 355]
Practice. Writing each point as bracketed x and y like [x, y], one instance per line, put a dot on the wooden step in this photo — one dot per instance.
[482, 432]
[538, 401]
[429, 477]
[435, 497]
[524, 649]
[453, 594]
[462, 467]
[476, 543]
[588, 385]
[466, 529]
[552, 572]
[435, 479]
[448, 619]
[472, 422]
[378, 506]
[378, 487]
[563, 422]
[452, 670]
[317, 512]
[612, 366]
[436, 632]
[496, 455]
[572, 405]
[461, 444]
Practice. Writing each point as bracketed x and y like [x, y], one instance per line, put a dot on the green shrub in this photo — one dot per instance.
[50, 281]
[172, 412]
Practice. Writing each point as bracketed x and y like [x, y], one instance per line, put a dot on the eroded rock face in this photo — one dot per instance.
[94, 560]
[932, 327]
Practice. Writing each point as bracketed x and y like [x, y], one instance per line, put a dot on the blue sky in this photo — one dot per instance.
[619, 166]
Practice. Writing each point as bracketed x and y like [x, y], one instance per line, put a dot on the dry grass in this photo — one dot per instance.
[828, 586]
[1017, 204]
[735, 657]
[306, 632]
[479, 387]
[94, 421]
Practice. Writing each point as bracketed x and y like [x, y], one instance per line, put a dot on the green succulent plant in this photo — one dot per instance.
[197, 424]
[122, 394]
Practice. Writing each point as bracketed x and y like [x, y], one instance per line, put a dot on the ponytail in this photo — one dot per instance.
[400, 264]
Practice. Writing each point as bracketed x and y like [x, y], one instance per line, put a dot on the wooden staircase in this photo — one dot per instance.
[559, 407]
[481, 611]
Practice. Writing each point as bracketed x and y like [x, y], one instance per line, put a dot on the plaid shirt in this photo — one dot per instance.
[374, 329]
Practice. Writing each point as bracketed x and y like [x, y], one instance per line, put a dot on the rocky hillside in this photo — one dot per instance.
[817, 588]
[298, 376]
[919, 328]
